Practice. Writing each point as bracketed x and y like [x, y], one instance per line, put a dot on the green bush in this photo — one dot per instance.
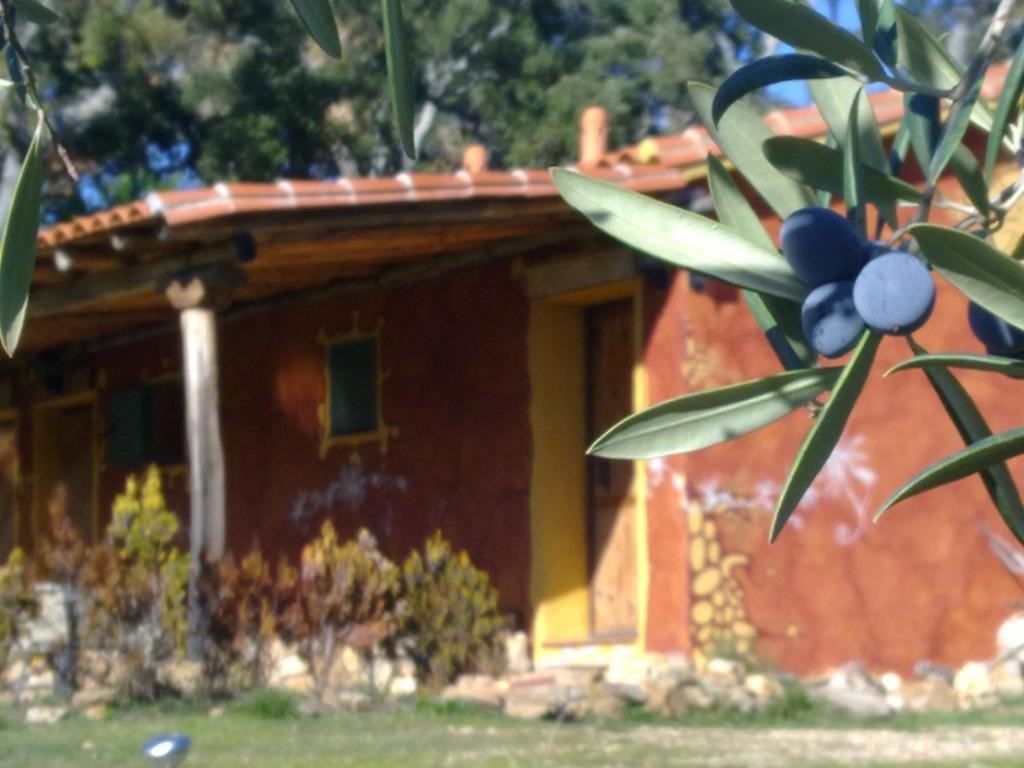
[270, 705]
[136, 584]
[794, 704]
[452, 623]
[17, 601]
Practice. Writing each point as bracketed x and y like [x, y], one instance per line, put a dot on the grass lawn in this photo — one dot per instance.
[418, 737]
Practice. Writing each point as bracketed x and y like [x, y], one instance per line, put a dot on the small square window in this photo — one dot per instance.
[146, 425]
[352, 387]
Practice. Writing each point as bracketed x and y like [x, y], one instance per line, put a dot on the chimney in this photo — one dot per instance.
[593, 136]
[474, 159]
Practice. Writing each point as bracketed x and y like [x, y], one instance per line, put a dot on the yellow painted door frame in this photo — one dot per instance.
[559, 572]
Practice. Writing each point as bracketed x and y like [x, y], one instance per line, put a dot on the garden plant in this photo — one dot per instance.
[450, 618]
[124, 608]
[135, 584]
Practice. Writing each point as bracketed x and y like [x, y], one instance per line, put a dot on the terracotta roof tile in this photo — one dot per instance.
[157, 200]
[657, 164]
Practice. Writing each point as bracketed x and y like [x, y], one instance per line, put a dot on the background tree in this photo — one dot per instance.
[964, 23]
[151, 93]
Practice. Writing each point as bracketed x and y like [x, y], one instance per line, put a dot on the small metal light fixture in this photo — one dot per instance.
[63, 260]
[168, 750]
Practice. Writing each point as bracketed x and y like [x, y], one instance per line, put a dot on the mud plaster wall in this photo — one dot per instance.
[924, 583]
[454, 351]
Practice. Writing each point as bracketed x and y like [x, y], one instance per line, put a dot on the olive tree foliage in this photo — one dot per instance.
[964, 23]
[796, 177]
[793, 175]
[895, 48]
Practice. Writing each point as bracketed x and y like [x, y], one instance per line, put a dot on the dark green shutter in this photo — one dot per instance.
[127, 427]
[352, 366]
[167, 423]
[146, 425]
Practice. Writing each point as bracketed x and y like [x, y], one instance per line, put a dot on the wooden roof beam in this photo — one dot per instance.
[101, 286]
[318, 223]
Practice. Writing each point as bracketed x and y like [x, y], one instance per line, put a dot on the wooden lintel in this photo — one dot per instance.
[89, 289]
[575, 273]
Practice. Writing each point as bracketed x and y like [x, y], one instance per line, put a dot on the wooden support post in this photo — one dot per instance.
[197, 297]
[205, 450]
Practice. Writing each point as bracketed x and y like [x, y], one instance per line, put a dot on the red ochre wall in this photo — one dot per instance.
[453, 349]
[923, 583]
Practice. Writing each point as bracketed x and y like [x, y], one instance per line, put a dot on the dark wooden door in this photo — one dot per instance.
[64, 467]
[611, 504]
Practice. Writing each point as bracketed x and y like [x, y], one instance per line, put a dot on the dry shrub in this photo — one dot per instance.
[241, 603]
[342, 594]
[451, 624]
[64, 557]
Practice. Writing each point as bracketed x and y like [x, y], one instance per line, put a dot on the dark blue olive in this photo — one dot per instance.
[872, 249]
[894, 293]
[830, 320]
[999, 337]
[821, 246]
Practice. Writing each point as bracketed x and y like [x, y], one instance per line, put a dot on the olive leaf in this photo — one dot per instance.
[833, 98]
[740, 134]
[953, 134]
[974, 458]
[853, 185]
[18, 245]
[921, 115]
[821, 167]
[884, 41]
[986, 276]
[1008, 366]
[867, 10]
[1013, 86]
[779, 319]
[678, 236]
[769, 70]
[318, 19]
[714, 416]
[967, 169]
[400, 73]
[971, 425]
[927, 61]
[804, 28]
[823, 437]
[36, 12]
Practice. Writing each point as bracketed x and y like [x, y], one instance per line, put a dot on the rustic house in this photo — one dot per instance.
[435, 351]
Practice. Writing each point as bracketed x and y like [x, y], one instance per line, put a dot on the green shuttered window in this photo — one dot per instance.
[352, 373]
[146, 425]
